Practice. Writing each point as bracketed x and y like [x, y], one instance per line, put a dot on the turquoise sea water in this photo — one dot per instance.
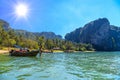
[62, 66]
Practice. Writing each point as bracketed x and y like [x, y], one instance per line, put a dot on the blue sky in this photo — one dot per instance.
[59, 16]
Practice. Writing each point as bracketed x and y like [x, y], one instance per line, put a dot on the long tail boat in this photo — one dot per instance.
[23, 53]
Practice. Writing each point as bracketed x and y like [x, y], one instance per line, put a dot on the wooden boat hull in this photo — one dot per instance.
[23, 54]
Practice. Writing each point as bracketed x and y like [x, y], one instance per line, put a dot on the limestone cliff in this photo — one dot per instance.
[99, 33]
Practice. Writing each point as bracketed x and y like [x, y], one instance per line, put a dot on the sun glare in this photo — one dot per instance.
[21, 10]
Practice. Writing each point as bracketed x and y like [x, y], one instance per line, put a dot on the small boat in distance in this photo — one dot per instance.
[23, 53]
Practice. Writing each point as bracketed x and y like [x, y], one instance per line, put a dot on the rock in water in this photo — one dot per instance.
[99, 33]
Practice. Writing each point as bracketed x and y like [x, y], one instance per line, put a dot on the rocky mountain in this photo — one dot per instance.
[99, 33]
[5, 25]
[30, 35]
[48, 35]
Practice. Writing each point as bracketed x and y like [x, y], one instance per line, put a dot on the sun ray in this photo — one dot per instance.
[21, 10]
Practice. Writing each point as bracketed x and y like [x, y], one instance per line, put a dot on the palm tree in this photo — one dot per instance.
[41, 42]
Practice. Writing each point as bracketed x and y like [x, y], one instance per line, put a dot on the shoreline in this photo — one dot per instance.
[89, 51]
[4, 51]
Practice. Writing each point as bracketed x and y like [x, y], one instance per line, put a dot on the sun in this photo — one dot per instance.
[21, 10]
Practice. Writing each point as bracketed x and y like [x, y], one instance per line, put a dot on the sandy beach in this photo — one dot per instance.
[3, 51]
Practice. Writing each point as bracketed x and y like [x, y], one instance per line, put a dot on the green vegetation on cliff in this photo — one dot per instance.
[99, 33]
[9, 38]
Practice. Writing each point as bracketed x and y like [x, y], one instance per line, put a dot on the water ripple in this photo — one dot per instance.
[62, 66]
